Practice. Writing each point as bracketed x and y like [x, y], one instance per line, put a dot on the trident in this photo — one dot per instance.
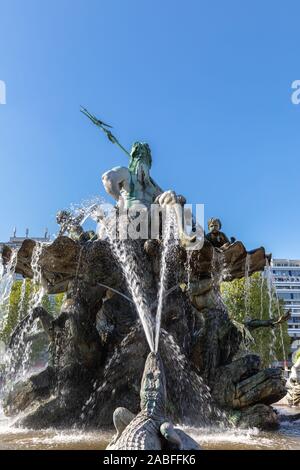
[105, 129]
[186, 239]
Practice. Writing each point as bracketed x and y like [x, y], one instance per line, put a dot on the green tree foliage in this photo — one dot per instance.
[20, 300]
[58, 300]
[250, 299]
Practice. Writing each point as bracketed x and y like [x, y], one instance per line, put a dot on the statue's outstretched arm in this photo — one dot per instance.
[254, 323]
[158, 189]
[115, 180]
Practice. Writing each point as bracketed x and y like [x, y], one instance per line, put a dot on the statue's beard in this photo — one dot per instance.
[142, 175]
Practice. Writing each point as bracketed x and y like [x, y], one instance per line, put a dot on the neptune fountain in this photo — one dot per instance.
[143, 338]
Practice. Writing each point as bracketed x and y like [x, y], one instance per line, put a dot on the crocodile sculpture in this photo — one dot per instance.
[149, 429]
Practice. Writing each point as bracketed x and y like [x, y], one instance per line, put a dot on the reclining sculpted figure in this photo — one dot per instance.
[133, 186]
[217, 238]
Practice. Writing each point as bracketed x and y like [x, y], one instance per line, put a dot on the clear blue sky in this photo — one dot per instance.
[207, 84]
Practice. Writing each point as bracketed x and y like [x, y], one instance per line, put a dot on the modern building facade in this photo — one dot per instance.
[286, 278]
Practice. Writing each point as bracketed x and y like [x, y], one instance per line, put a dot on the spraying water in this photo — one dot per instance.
[190, 395]
[17, 358]
[166, 248]
[78, 265]
[21, 305]
[280, 330]
[262, 279]
[262, 283]
[274, 298]
[116, 291]
[188, 268]
[247, 285]
[188, 388]
[217, 273]
[270, 295]
[125, 255]
[6, 281]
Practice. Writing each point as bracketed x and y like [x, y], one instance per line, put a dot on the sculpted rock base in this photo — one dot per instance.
[98, 348]
[258, 416]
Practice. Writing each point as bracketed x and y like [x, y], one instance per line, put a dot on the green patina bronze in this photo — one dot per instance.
[142, 188]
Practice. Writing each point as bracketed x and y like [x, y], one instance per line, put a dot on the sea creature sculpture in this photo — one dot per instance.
[150, 429]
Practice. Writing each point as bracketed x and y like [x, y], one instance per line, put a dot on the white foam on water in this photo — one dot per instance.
[13, 437]
[215, 436]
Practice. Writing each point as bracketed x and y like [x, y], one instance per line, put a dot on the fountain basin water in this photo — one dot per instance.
[13, 438]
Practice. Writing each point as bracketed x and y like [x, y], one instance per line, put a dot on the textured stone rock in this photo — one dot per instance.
[241, 383]
[25, 392]
[267, 386]
[258, 416]
[98, 348]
